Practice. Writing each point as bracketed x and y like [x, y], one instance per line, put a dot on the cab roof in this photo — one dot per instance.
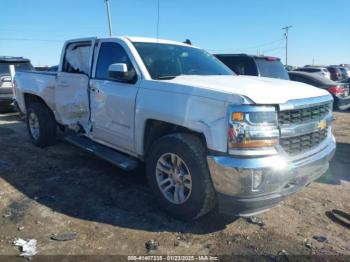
[153, 40]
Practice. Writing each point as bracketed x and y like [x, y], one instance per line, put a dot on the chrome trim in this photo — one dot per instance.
[330, 139]
[267, 151]
[304, 103]
[304, 128]
[232, 176]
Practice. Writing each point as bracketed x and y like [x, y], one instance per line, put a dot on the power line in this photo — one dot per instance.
[247, 48]
[273, 49]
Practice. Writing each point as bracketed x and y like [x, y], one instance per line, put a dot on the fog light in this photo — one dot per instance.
[257, 178]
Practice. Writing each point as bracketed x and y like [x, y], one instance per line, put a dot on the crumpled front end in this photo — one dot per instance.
[269, 159]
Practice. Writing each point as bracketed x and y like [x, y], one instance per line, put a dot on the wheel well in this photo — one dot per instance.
[155, 129]
[29, 99]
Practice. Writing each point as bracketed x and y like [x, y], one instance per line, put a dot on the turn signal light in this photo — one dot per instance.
[255, 143]
[237, 116]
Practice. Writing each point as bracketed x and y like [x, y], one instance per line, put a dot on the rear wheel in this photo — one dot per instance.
[178, 175]
[41, 124]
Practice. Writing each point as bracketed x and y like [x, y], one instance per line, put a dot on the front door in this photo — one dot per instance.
[113, 102]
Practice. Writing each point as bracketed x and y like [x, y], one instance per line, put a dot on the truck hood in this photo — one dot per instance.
[260, 90]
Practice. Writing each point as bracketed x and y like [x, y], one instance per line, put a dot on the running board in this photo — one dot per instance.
[114, 157]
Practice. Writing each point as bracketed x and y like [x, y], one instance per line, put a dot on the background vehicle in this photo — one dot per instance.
[339, 91]
[53, 68]
[345, 72]
[41, 68]
[336, 74]
[20, 63]
[264, 66]
[321, 71]
[206, 135]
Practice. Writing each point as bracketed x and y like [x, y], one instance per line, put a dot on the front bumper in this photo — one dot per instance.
[233, 179]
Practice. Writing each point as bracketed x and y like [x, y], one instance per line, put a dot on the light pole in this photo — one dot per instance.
[109, 18]
[286, 36]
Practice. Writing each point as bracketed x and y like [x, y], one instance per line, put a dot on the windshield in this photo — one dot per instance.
[273, 69]
[166, 61]
[5, 67]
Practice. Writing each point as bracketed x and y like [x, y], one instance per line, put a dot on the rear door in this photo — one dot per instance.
[72, 85]
[113, 102]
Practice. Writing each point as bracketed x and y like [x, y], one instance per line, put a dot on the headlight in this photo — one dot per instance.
[252, 127]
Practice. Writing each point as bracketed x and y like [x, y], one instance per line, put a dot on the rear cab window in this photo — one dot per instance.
[77, 58]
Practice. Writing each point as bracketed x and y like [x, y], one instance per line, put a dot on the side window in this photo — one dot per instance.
[111, 53]
[77, 58]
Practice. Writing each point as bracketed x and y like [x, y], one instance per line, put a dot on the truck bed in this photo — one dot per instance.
[34, 82]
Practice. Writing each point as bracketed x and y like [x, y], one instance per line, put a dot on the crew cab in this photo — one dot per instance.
[207, 136]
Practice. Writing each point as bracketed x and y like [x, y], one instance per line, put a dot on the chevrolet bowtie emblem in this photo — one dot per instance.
[322, 125]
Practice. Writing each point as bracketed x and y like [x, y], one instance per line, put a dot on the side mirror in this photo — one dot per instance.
[120, 72]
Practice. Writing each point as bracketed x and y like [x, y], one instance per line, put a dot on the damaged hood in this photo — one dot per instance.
[258, 89]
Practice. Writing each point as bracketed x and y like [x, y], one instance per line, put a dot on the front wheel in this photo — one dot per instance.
[41, 125]
[178, 175]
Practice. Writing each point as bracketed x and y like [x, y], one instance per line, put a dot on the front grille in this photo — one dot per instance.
[297, 116]
[299, 144]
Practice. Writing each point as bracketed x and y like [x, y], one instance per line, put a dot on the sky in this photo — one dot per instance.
[37, 29]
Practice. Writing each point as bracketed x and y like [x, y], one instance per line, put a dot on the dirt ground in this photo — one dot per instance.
[63, 189]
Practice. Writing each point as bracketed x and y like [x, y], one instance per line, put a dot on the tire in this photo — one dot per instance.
[44, 124]
[200, 198]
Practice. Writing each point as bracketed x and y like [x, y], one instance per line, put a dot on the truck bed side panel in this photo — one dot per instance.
[41, 84]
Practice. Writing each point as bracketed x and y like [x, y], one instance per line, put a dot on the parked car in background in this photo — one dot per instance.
[336, 74]
[289, 67]
[317, 70]
[264, 66]
[339, 91]
[348, 70]
[345, 72]
[53, 68]
[41, 68]
[346, 81]
[20, 63]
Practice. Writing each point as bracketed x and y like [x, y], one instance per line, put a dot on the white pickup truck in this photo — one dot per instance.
[207, 136]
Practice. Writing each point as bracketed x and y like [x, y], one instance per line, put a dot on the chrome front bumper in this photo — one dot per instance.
[233, 179]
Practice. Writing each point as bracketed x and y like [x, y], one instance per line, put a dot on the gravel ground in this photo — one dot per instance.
[62, 189]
